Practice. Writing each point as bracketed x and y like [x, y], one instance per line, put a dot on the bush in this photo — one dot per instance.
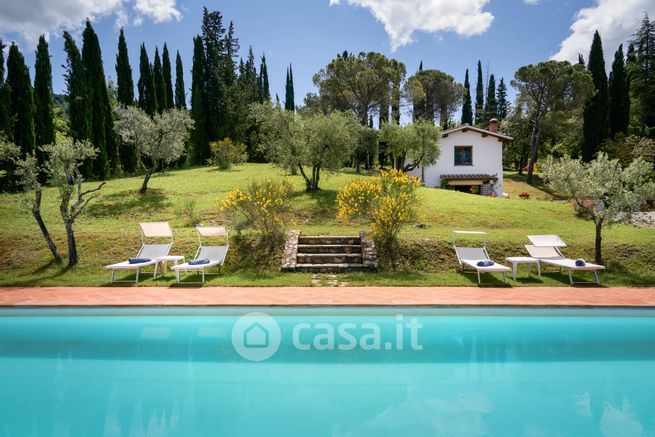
[226, 152]
[262, 207]
[388, 201]
[188, 211]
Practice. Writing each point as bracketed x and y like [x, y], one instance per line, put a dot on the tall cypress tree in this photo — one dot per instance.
[5, 120]
[168, 78]
[21, 101]
[160, 86]
[102, 124]
[44, 124]
[76, 90]
[146, 84]
[479, 98]
[467, 109]
[596, 111]
[501, 100]
[199, 140]
[264, 89]
[491, 107]
[124, 81]
[180, 92]
[643, 79]
[289, 97]
[619, 99]
[213, 39]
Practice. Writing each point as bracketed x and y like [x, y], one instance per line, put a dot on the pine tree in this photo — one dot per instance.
[146, 84]
[102, 134]
[21, 101]
[76, 90]
[596, 112]
[199, 140]
[619, 99]
[44, 124]
[160, 86]
[180, 92]
[479, 99]
[491, 107]
[124, 80]
[289, 103]
[501, 100]
[264, 89]
[5, 120]
[168, 78]
[467, 110]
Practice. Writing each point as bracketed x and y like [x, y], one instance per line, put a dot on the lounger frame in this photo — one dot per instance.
[470, 256]
[216, 255]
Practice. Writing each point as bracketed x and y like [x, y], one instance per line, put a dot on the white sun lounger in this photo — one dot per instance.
[545, 248]
[215, 254]
[470, 256]
[150, 251]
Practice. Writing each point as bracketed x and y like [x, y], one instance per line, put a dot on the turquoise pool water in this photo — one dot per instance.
[466, 372]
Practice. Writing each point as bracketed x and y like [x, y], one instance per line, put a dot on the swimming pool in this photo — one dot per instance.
[334, 371]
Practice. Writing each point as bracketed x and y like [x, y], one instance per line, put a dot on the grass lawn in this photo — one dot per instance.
[108, 232]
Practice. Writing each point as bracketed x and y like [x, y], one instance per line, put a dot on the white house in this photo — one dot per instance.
[471, 160]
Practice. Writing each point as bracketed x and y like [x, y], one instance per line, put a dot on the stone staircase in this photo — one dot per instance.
[328, 253]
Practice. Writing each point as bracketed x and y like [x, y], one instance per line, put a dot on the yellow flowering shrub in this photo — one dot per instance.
[262, 206]
[388, 201]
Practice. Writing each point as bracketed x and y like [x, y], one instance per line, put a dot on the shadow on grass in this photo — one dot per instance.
[128, 201]
[537, 182]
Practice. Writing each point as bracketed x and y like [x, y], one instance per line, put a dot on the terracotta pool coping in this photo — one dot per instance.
[326, 296]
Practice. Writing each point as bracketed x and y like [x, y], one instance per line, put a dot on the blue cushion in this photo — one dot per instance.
[195, 262]
[138, 260]
[486, 263]
[580, 262]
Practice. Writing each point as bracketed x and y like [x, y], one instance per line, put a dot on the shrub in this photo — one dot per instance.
[524, 195]
[388, 201]
[262, 207]
[188, 211]
[226, 152]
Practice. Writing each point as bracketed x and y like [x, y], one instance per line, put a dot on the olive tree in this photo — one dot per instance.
[413, 145]
[157, 139]
[602, 190]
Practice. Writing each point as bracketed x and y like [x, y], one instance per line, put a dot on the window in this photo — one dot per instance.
[463, 155]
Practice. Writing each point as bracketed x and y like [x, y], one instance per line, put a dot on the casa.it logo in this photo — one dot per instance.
[256, 336]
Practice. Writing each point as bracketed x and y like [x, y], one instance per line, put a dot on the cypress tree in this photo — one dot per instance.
[180, 93]
[198, 98]
[44, 124]
[168, 79]
[501, 100]
[5, 119]
[467, 109]
[213, 39]
[160, 86]
[146, 84]
[289, 97]
[619, 112]
[124, 81]
[21, 101]
[491, 107]
[643, 80]
[76, 90]
[596, 111]
[580, 59]
[264, 90]
[479, 98]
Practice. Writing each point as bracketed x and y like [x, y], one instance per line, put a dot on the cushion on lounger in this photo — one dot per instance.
[580, 262]
[485, 263]
[138, 260]
[195, 262]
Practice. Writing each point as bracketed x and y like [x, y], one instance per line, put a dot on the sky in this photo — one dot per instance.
[449, 35]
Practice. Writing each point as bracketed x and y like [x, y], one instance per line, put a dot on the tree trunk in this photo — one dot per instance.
[36, 212]
[146, 178]
[534, 142]
[598, 257]
[72, 247]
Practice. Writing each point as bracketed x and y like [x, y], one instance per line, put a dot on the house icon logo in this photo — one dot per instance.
[256, 336]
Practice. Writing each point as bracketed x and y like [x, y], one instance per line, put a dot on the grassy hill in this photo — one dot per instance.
[108, 232]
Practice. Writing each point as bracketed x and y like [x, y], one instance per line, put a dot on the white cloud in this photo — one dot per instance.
[615, 20]
[531, 2]
[31, 18]
[401, 18]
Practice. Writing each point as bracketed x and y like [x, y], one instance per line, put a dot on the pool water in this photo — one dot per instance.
[337, 372]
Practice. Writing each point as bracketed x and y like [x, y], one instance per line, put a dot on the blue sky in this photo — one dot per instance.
[447, 35]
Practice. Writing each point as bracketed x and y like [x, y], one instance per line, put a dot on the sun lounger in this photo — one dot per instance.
[545, 248]
[472, 256]
[206, 256]
[149, 254]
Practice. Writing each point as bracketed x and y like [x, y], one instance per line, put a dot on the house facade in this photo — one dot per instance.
[471, 160]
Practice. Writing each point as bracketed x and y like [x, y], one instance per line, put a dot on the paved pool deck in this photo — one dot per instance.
[326, 296]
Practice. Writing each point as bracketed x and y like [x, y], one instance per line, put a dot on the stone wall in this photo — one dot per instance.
[290, 255]
[369, 255]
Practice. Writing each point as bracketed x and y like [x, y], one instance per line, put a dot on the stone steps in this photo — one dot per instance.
[329, 268]
[328, 240]
[330, 258]
[328, 253]
[329, 248]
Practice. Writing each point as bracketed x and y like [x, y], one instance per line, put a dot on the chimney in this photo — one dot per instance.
[493, 125]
